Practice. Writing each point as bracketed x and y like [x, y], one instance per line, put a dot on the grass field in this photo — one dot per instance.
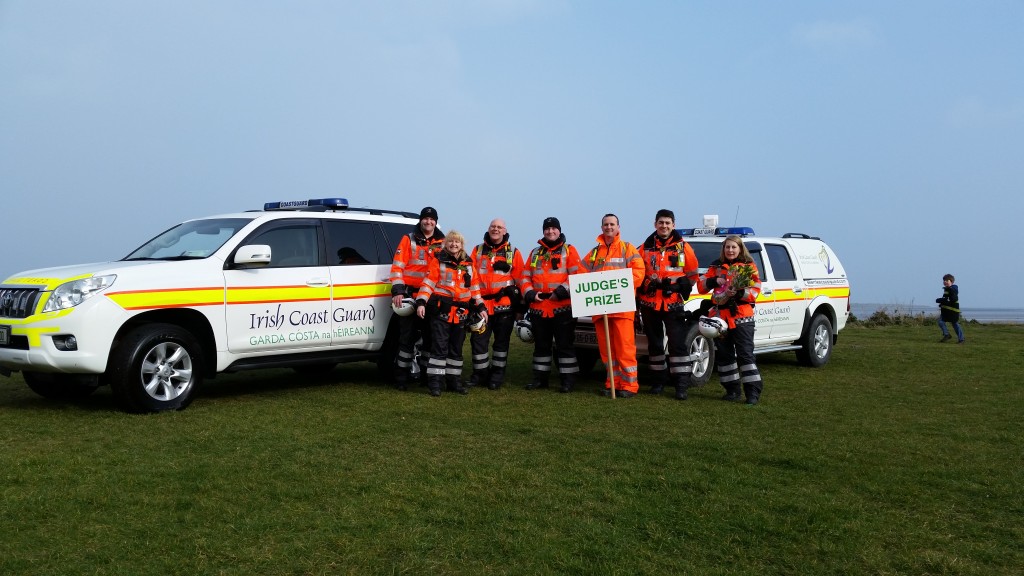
[902, 456]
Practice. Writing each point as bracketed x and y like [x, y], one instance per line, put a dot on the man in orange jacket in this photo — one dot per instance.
[671, 272]
[612, 253]
[498, 267]
[408, 270]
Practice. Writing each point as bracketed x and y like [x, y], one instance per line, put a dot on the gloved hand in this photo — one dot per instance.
[502, 266]
[543, 295]
[684, 287]
[712, 282]
[531, 295]
[665, 283]
[938, 300]
[561, 293]
[512, 292]
[648, 286]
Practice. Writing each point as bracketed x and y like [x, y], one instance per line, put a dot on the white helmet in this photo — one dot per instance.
[712, 327]
[406, 309]
[524, 330]
[477, 323]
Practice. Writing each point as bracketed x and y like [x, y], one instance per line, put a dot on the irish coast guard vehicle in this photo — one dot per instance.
[804, 301]
[301, 284]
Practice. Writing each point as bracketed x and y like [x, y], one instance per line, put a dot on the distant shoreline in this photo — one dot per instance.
[986, 315]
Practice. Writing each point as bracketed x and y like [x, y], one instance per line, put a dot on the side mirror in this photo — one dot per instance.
[252, 255]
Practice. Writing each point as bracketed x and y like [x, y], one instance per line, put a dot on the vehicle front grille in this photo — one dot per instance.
[18, 302]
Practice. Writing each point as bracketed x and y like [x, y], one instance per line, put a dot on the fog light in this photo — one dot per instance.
[66, 343]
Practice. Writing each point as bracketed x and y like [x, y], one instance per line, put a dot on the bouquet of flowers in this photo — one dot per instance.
[740, 276]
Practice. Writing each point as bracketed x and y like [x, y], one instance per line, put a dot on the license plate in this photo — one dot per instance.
[586, 338]
[5, 335]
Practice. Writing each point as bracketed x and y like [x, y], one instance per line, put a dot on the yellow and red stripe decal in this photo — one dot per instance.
[215, 295]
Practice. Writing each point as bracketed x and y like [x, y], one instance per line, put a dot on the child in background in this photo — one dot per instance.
[949, 309]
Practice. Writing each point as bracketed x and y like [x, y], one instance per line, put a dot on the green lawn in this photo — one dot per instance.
[902, 456]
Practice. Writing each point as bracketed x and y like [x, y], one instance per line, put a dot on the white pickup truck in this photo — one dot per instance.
[804, 301]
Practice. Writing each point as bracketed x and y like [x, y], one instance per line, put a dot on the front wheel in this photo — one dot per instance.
[157, 367]
[703, 352]
[817, 343]
[61, 386]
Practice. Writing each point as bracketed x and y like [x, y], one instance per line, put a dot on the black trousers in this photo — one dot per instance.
[499, 326]
[560, 330]
[678, 364]
[734, 355]
[446, 340]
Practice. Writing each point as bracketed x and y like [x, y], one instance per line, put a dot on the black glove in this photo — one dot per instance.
[561, 293]
[684, 287]
[648, 286]
[938, 300]
[712, 282]
[512, 292]
[666, 283]
[531, 295]
[502, 266]
[543, 295]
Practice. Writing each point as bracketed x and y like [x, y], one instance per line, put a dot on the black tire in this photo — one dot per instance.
[816, 343]
[156, 367]
[61, 386]
[587, 360]
[704, 349]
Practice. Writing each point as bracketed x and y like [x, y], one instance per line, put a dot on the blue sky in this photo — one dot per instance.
[893, 130]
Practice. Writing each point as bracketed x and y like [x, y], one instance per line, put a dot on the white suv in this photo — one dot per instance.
[301, 284]
[804, 301]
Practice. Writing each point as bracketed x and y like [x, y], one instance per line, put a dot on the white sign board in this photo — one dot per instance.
[606, 292]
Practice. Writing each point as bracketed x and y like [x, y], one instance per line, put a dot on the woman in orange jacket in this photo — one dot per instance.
[447, 297]
[735, 285]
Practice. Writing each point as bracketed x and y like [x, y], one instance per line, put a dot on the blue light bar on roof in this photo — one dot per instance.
[332, 203]
[720, 231]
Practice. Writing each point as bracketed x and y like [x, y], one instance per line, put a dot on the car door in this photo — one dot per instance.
[360, 261]
[285, 305]
[786, 312]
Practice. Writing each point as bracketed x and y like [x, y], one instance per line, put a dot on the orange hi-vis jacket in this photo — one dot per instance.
[740, 308]
[619, 255]
[451, 282]
[412, 258]
[547, 268]
[494, 282]
[670, 258]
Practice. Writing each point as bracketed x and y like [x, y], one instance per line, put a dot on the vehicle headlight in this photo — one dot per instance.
[71, 294]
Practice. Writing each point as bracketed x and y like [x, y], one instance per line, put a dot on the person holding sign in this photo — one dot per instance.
[546, 291]
[613, 253]
[448, 294]
[670, 273]
[734, 285]
[499, 267]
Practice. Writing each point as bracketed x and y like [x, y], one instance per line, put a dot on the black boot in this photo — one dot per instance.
[479, 378]
[540, 380]
[681, 387]
[753, 393]
[497, 376]
[658, 387]
[454, 384]
[568, 382]
[434, 383]
[732, 394]
[401, 379]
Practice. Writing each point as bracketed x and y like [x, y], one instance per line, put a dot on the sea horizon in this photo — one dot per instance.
[985, 315]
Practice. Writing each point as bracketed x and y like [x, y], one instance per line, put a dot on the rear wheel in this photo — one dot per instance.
[157, 367]
[816, 343]
[703, 351]
[61, 386]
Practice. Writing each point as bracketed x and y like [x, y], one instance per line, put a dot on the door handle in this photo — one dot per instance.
[318, 282]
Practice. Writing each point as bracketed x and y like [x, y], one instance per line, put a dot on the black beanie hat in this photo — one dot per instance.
[551, 222]
[428, 212]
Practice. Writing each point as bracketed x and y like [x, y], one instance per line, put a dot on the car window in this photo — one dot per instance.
[393, 232]
[193, 239]
[352, 243]
[290, 246]
[782, 266]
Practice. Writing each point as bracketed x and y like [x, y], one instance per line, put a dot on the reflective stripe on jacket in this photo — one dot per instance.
[740, 307]
[618, 255]
[492, 281]
[670, 258]
[450, 281]
[412, 258]
[546, 269]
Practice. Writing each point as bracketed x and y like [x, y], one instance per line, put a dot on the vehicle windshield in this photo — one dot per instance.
[195, 239]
